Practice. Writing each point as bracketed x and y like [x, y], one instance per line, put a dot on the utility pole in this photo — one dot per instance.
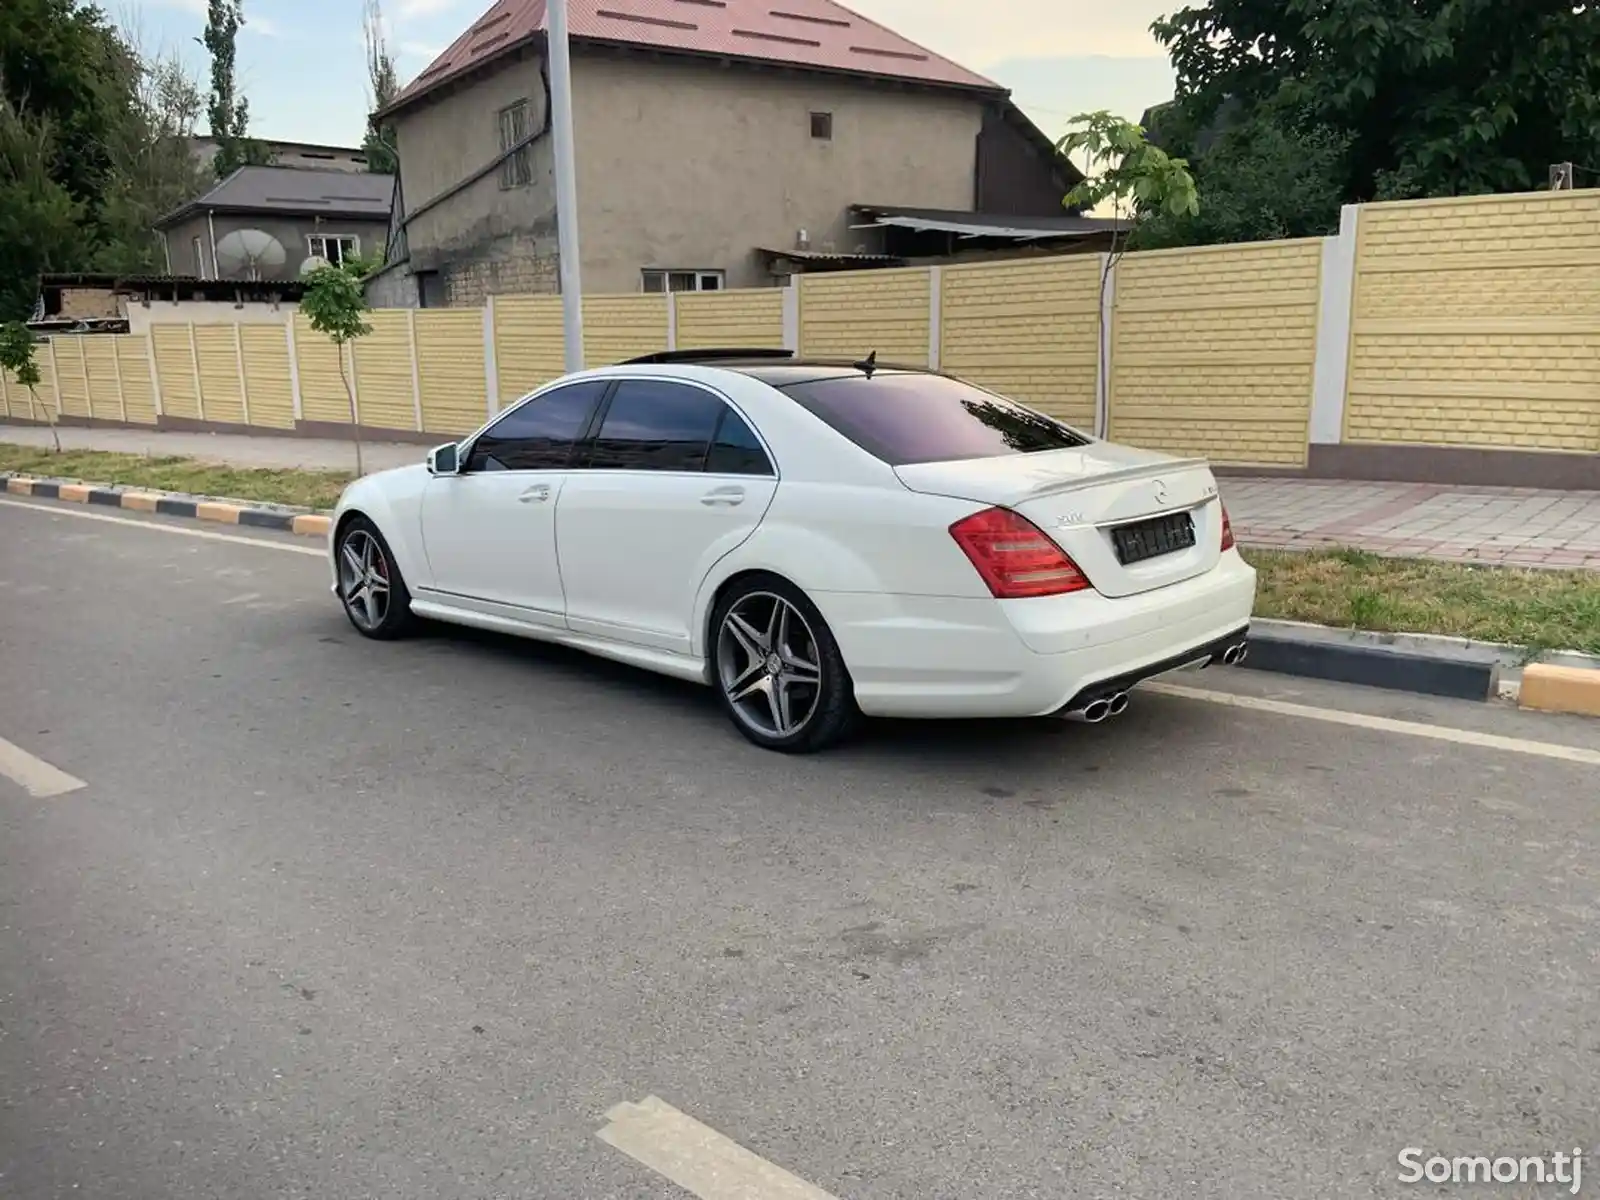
[566, 183]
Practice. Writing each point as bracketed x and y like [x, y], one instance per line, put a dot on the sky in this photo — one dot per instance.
[301, 63]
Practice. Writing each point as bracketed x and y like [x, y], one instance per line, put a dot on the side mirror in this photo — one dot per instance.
[445, 459]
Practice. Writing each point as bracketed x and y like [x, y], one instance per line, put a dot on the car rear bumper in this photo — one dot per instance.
[931, 657]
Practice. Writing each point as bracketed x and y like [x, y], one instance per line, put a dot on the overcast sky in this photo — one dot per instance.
[301, 66]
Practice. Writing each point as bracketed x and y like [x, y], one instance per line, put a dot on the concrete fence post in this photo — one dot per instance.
[672, 320]
[491, 360]
[791, 314]
[294, 370]
[116, 367]
[1335, 317]
[194, 365]
[88, 388]
[155, 371]
[935, 317]
[244, 382]
[55, 376]
[416, 368]
[1105, 330]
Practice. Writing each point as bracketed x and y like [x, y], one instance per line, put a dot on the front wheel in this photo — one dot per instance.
[373, 591]
[777, 669]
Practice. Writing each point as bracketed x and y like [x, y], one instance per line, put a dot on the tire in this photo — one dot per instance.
[777, 670]
[382, 613]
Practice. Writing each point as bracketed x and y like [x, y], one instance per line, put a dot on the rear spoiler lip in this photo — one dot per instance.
[1062, 487]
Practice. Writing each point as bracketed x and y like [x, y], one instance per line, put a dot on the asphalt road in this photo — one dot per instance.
[333, 919]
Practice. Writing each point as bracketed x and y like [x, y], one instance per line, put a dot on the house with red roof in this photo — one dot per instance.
[720, 144]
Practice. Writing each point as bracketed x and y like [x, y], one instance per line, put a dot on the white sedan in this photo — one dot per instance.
[813, 540]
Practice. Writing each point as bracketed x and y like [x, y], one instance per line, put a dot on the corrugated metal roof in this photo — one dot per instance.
[298, 190]
[802, 33]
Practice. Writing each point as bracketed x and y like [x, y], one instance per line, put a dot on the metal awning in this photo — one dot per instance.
[984, 225]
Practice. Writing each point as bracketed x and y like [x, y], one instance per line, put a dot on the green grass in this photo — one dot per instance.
[305, 489]
[1541, 610]
[1345, 588]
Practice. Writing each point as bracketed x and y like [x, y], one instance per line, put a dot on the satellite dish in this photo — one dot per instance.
[245, 253]
[312, 263]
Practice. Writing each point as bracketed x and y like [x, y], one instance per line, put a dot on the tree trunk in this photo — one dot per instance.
[355, 418]
[55, 434]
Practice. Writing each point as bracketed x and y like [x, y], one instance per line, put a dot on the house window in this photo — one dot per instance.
[682, 281]
[337, 248]
[516, 171]
[197, 248]
[822, 126]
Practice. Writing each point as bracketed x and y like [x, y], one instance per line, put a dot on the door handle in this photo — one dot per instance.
[727, 496]
[537, 494]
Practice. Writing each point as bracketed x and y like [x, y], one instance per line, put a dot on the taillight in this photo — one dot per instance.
[1227, 529]
[1014, 556]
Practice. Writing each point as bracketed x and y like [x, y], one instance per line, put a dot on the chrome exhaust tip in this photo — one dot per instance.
[1117, 705]
[1234, 655]
[1092, 713]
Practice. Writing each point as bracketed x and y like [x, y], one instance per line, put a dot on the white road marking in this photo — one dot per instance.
[35, 776]
[207, 534]
[1417, 729]
[697, 1158]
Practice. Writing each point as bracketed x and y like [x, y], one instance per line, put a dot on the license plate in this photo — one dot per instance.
[1143, 540]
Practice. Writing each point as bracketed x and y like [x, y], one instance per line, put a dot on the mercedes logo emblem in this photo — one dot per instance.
[1161, 491]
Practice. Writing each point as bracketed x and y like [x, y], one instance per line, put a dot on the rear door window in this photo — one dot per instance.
[905, 418]
[655, 425]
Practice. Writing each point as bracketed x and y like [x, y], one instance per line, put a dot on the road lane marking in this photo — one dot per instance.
[207, 534]
[35, 776]
[696, 1157]
[1339, 716]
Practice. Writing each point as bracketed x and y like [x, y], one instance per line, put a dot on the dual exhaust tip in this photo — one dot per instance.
[1103, 708]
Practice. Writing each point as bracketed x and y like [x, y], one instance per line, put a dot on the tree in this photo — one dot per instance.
[16, 355]
[383, 84]
[1137, 179]
[227, 111]
[40, 220]
[1435, 97]
[336, 305]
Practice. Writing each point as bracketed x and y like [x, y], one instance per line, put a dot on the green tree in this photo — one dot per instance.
[16, 355]
[227, 111]
[335, 303]
[1138, 180]
[1435, 97]
[41, 223]
[383, 85]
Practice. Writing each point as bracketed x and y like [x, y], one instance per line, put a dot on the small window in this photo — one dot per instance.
[517, 170]
[907, 417]
[822, 126]
[681, 281]
[538, 435]
[337, 248]
[197, 248]
[656, 426]
[736, 450]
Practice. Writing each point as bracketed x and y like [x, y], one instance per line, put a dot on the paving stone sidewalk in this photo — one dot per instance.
[1518, 527]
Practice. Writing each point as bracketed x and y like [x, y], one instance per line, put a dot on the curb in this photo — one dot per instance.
[1555, 689]
[171, 504]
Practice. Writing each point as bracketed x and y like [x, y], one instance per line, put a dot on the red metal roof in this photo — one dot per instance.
[801, 33]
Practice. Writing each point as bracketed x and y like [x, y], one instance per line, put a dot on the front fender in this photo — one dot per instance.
[391, 500]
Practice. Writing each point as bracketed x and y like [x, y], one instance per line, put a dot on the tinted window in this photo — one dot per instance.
[540, 434]
[656, 426]
[910, 418]
[736, 450]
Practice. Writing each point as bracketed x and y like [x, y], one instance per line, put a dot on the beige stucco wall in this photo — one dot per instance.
[484, 240]
[691, 168]
[293, 234]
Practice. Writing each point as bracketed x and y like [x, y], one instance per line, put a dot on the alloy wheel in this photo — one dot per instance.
[364, 579]
[768, 665]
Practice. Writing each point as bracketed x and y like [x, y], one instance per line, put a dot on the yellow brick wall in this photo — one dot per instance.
[528, 344]
[740, 319]
[133, 367]
[267, 378]
[617, 328]
[175, 370]
[1026, 330]
[100, 363]
[385, 397]
[450, 363]
[1476, 322]
[73, 386]
[851, 314]
[221, 394]
[1213, 351]
[323, 395]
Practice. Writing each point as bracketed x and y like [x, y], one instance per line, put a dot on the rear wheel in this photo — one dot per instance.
[777, 669]
[373, 591]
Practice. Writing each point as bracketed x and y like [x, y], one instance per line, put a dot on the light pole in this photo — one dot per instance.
[566, 183]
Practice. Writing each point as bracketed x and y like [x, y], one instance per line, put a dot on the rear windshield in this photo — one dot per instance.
[911, 418]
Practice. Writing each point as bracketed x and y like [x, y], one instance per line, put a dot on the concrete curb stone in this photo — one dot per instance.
[282, 517]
